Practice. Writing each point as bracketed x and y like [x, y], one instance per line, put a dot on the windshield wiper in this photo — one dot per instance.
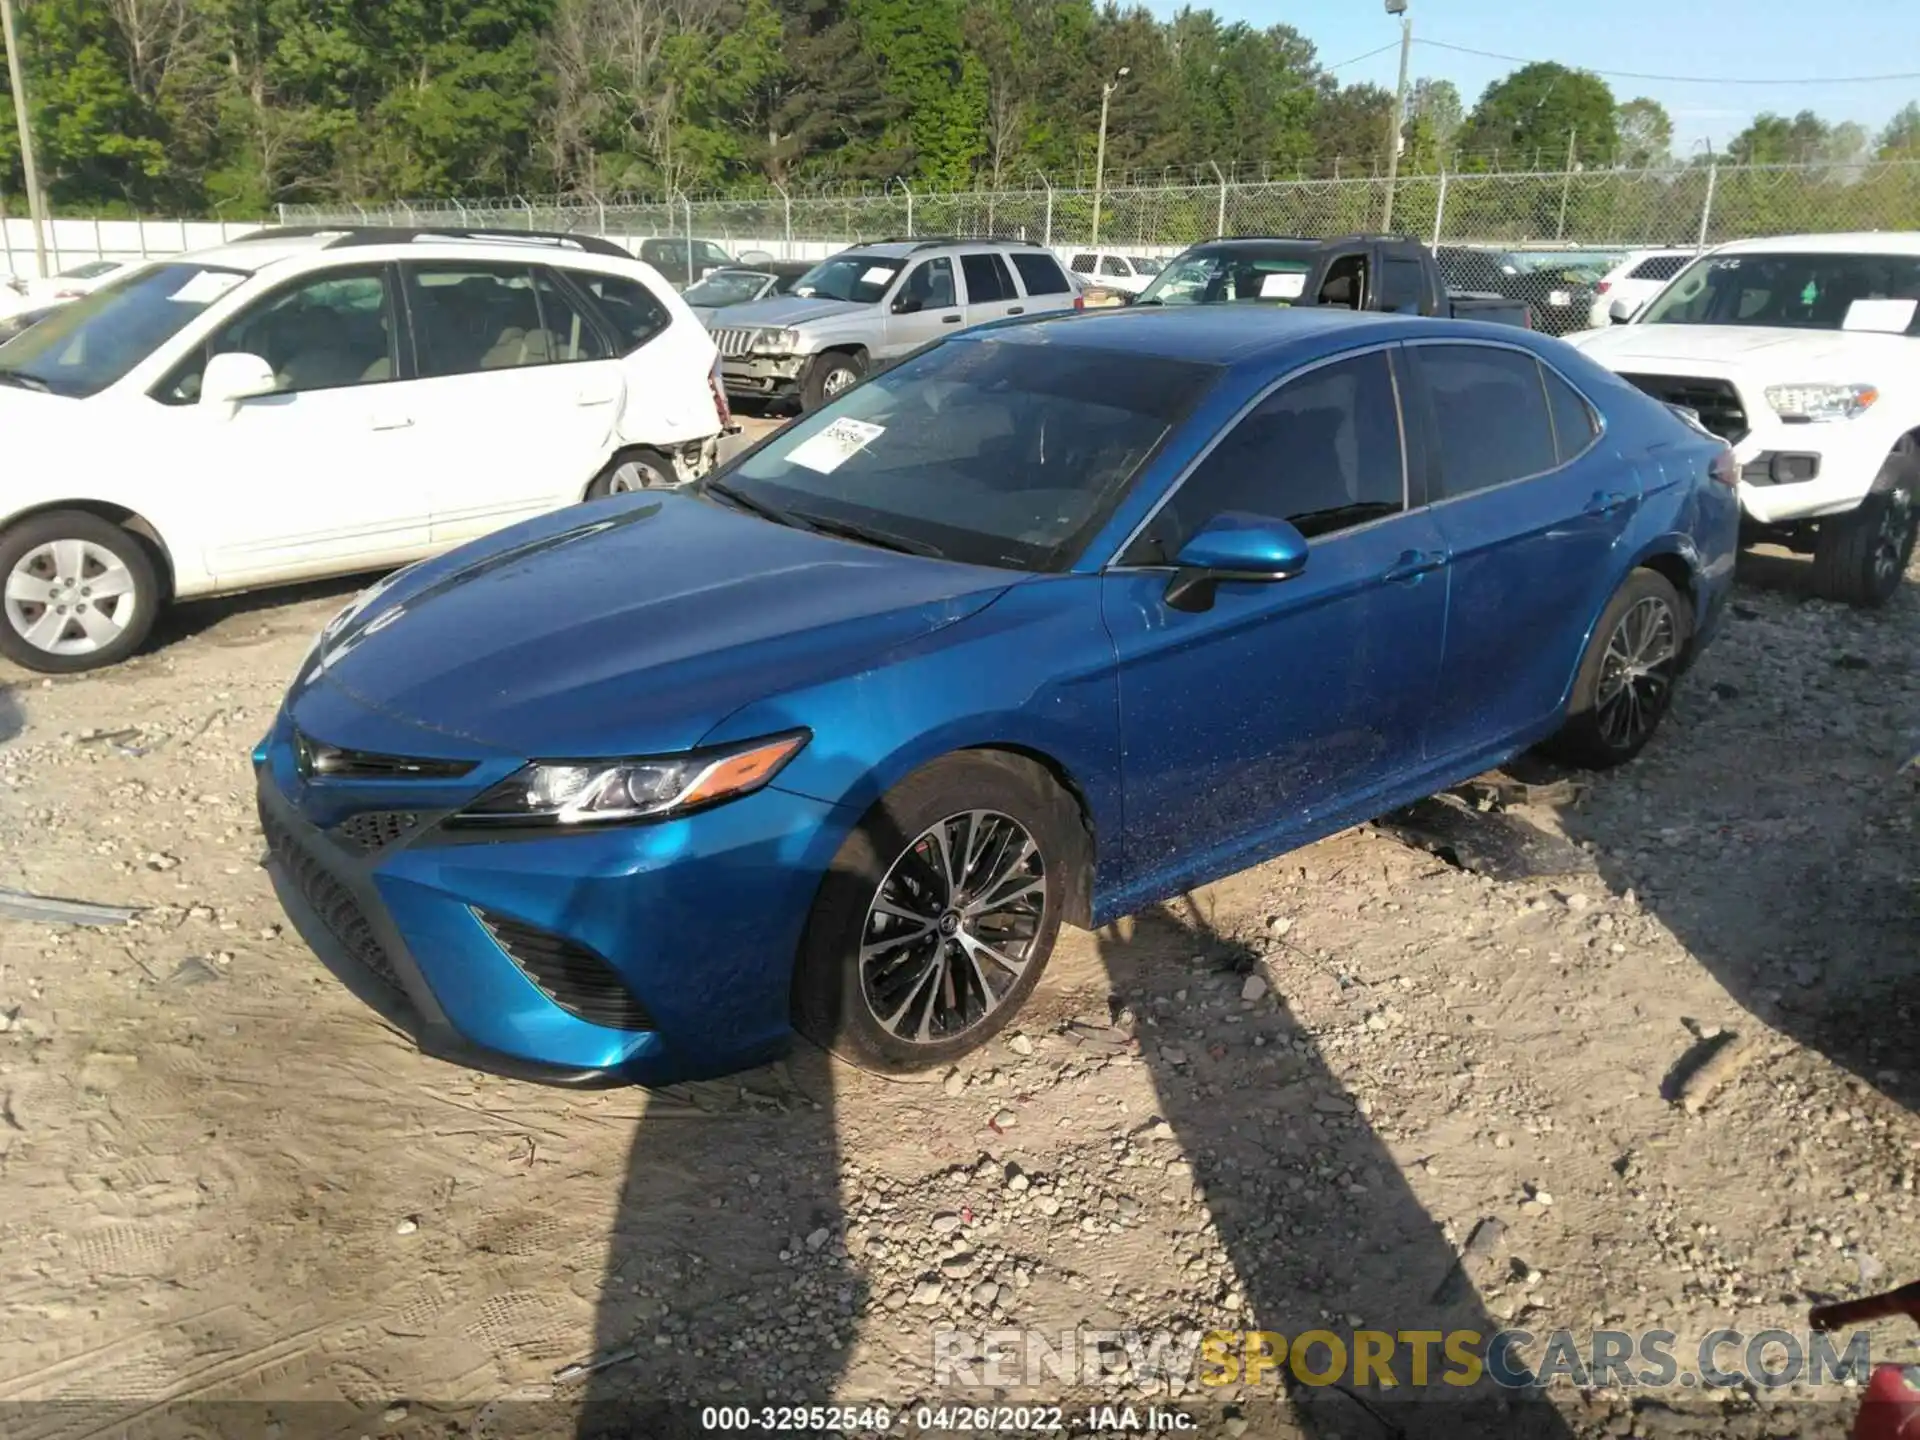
[740, 500]
[867, 535]
[25, 382]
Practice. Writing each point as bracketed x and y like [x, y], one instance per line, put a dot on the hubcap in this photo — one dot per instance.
[838, 379]
[953, 926]
[70, 597]
[1890, 546]
[1636, 675]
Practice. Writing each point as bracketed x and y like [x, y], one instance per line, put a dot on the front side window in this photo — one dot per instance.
[929, 287]
[1145, 265]
[1490, 416]
[628, 305]
[331, 331]
[712, 254]
[1795, 292]
[81, 348]
[992, 451]
[1114, 265]
[862, 279]
[1322, 452]
[988, 279]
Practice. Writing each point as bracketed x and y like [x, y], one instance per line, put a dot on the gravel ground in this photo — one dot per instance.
[1286, 1102]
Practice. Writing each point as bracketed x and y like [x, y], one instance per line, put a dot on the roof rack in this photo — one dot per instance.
[930, 242]
[348, 236]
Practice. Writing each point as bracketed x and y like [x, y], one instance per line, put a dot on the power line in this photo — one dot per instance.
[1670, 79]
[1368, 56]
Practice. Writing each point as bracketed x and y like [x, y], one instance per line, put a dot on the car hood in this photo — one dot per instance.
[632, 627]
[31, 413]
[783, 310]
[1723, 349]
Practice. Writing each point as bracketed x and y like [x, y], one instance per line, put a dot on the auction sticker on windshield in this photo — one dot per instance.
[878, 275]
[206, 287]
[835, 445]
[1891, 316]
[1282, 287]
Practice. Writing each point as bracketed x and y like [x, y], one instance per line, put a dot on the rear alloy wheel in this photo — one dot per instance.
[634, 470]
[76, 592]
[936, 918]
[1625, 684]
[1861, 557]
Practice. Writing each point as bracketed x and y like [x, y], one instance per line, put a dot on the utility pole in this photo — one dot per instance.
[1100, 152]
[18, 81]
[1396, 131]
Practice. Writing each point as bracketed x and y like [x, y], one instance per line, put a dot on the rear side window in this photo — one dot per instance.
[627, 304]
[988, 279]
[1490, 415]
[1040, 273]
[1401, 285]
[571, 333]
[1322, 451]
[1660, 267]
[468, 318]
[1574, 428]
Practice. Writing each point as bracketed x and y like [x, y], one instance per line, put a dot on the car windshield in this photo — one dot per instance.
[1583, 269]
[82, 348]
[860, 278]
[726, 287]
[1794, 292]
[987, 451]
[1224, 276]
[1146, 264]
[92, 270]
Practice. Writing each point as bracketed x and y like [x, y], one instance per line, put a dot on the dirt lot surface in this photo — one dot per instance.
[1287, 1103]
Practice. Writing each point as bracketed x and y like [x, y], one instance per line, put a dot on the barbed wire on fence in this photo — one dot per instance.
[1666, 206]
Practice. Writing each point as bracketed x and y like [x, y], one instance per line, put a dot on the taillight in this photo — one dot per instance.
[1725, 468]
[1526, 317]
[719, 392]
[1605, 285]
[1079, 302]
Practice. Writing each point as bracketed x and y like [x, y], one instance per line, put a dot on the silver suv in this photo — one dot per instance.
[871, 305]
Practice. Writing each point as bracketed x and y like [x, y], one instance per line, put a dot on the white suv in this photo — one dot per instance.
[314, 402]
[1803, 352]
[1131, 273]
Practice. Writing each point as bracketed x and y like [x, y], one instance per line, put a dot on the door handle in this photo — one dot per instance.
[1016, 309]
[1606, 502]
[949, 319]
[1412, 564]
[594, 397]
[392, 422]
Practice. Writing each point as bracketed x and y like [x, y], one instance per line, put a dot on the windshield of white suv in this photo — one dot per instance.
[1146, 264]
[1242, 272]
[986, 451]
[1793, 292]
[82, 348]
[725, 287]
[862, 279]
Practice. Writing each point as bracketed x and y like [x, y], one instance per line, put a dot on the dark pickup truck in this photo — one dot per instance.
[1359, 272]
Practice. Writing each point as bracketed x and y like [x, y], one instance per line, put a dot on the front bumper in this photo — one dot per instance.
[699, 919]
[762, 374]
[1844, 457]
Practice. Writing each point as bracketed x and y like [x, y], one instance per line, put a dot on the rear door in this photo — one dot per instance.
[1533, 504]
[991, 293]
[1042, 278]
[519, 391]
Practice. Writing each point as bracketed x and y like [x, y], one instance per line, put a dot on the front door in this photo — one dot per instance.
[925, 307]
[519, 392]
[323, 475]
[1531, 501]
[1284, 701]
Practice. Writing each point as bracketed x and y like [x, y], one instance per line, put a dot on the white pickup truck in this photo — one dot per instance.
[1803, 352]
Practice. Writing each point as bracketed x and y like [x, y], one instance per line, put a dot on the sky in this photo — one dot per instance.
[1795, 41]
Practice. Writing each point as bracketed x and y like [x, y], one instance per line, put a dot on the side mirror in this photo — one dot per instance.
[234, 377]
[1620, 312]
[1235, 547]
[907, 305]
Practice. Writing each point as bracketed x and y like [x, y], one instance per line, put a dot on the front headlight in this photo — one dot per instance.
[591, 792]
[776, 342]
[1810, 403]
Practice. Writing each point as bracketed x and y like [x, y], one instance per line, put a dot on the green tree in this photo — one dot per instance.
[1529, 119]
[1435, 113]
[1901, 139]
[1646, 134]
[1776, 140]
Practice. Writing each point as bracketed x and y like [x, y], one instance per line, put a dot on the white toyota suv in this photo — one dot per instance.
[1804, 353]
[307, 402]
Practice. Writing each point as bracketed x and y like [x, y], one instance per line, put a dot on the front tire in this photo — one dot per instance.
[1625, 684]
[1861, 557]
[937, 917]
[76, 592]
[827, 376]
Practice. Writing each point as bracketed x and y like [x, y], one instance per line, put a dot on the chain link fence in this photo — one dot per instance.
[1678, 206]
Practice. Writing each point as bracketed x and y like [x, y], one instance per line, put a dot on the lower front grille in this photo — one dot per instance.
[1716, 402]
[372, 830]
[570, 975]
[330, 900]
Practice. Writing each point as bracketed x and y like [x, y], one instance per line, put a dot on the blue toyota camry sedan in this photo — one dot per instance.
[1048, 622]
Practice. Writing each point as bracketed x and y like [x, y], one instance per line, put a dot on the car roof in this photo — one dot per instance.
[1862, 242]
[272, 247]
[1232, 335]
